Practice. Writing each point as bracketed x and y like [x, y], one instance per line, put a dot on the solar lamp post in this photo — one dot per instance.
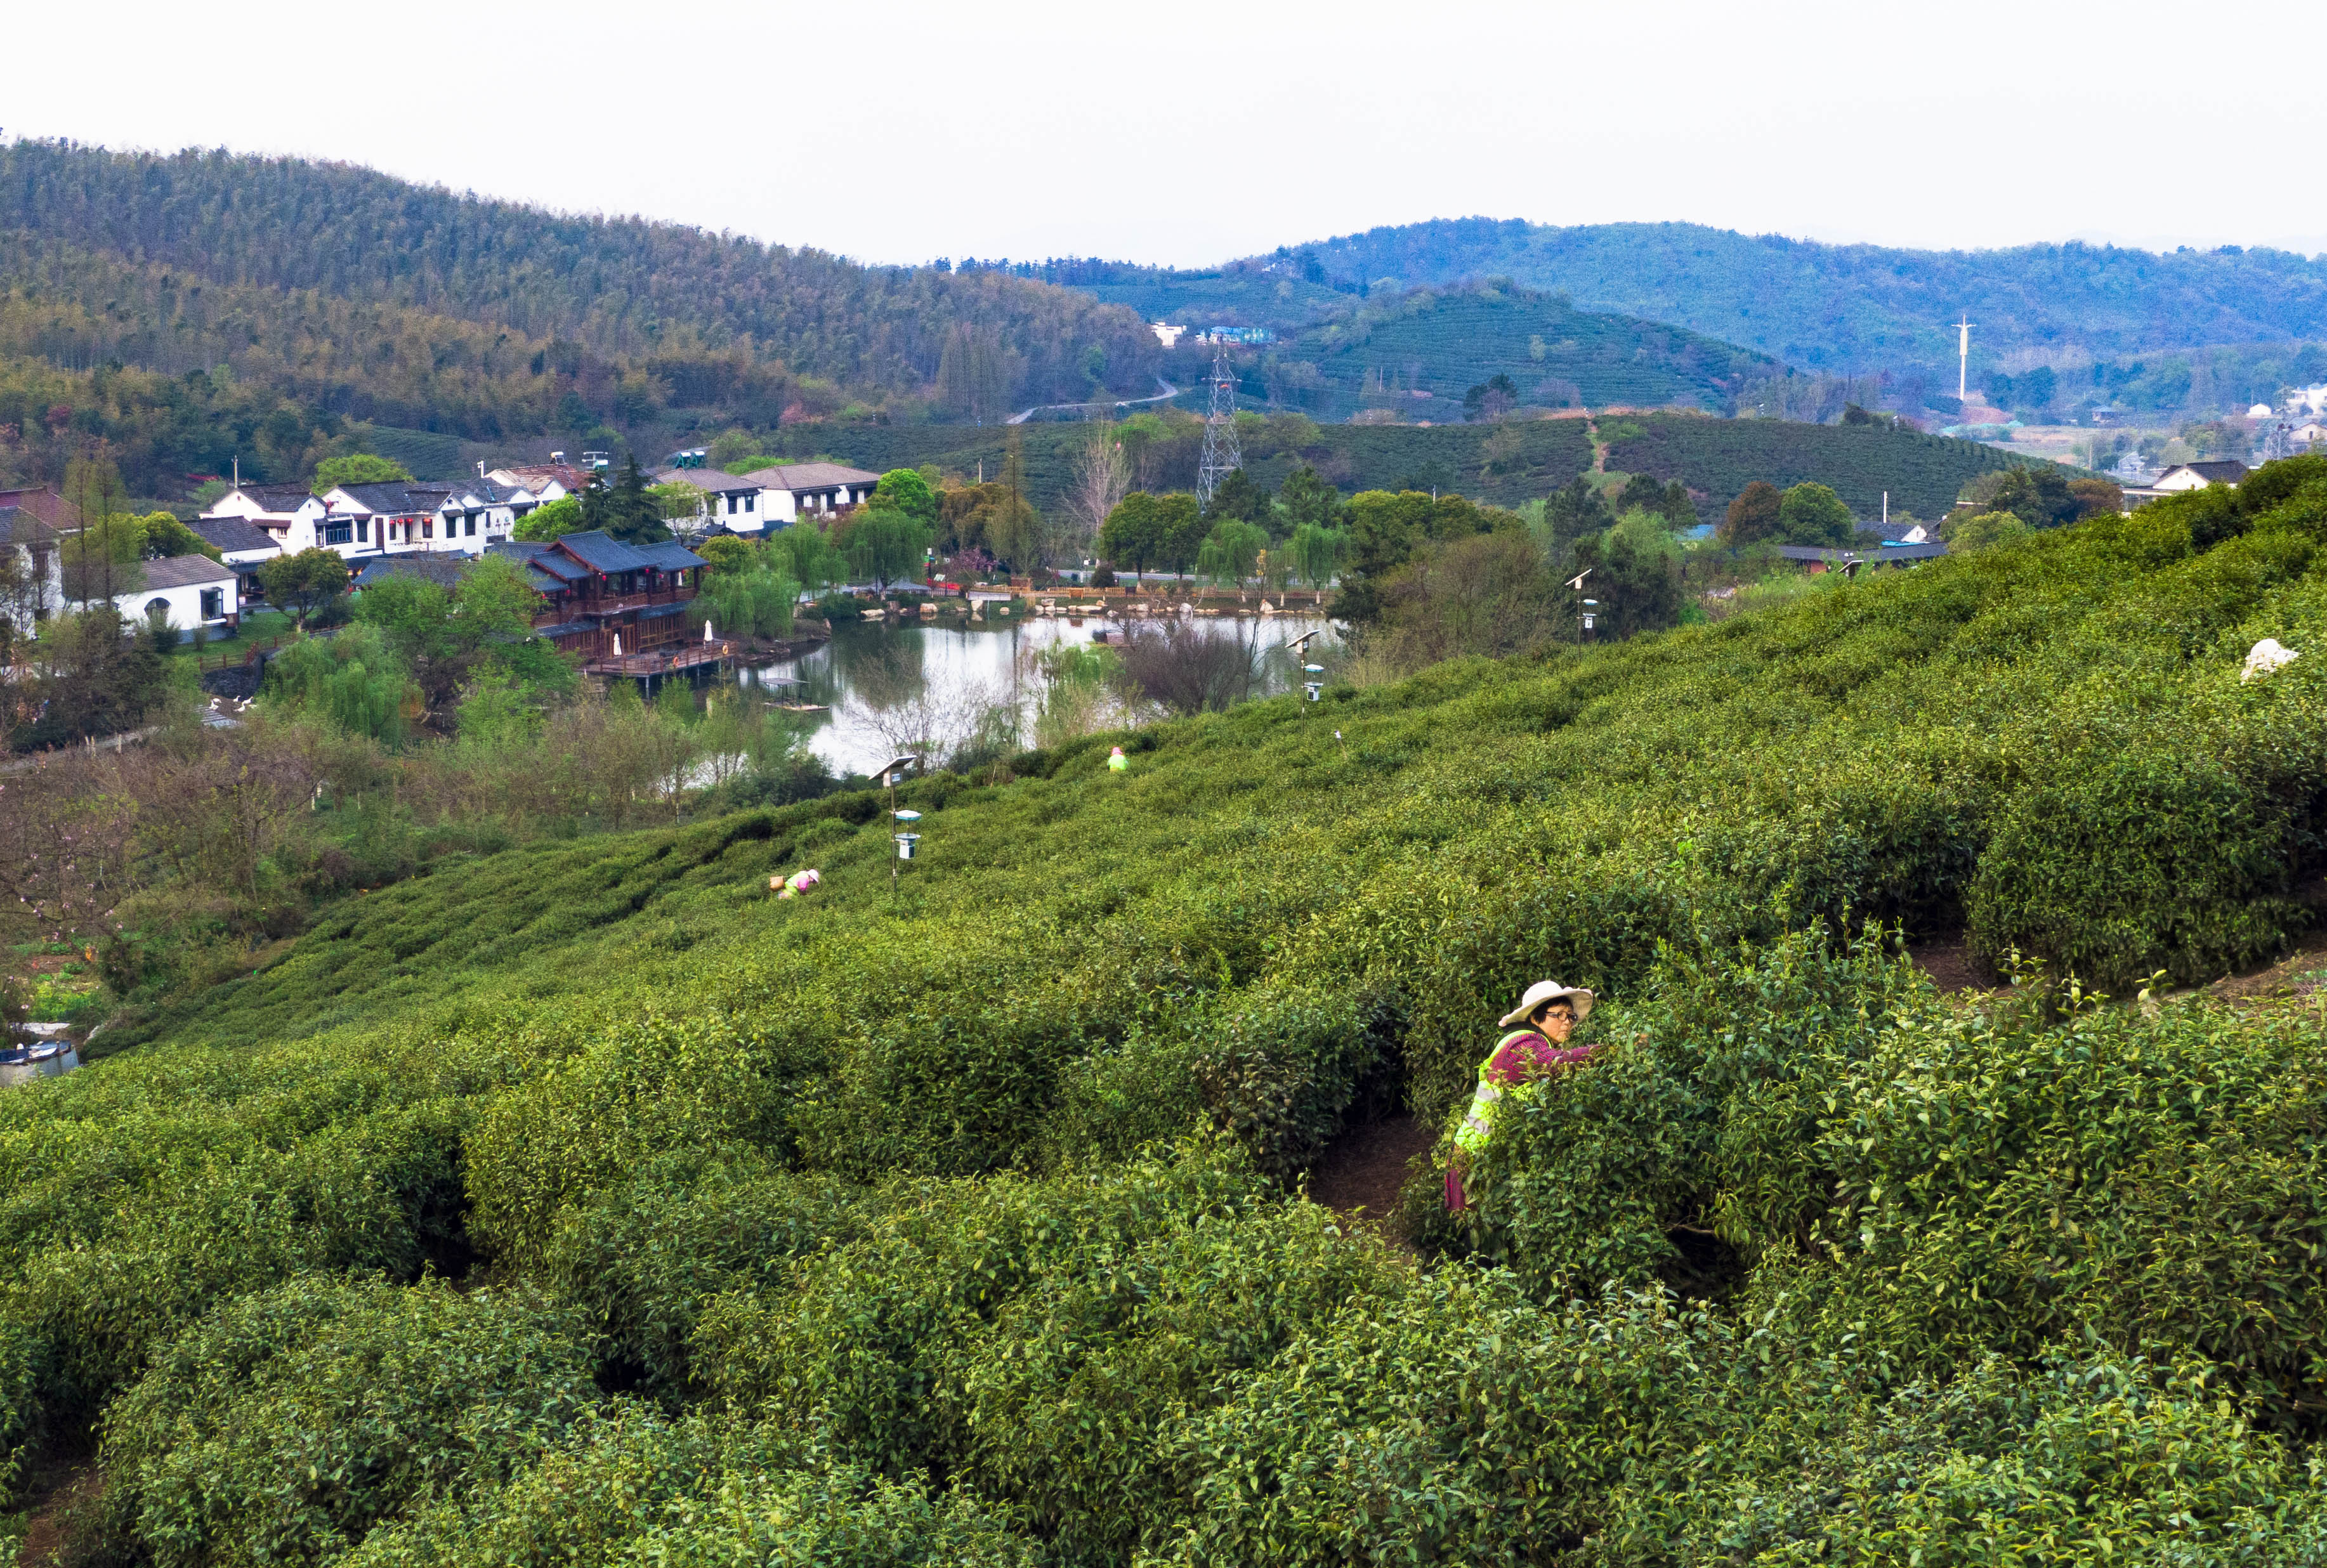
[890, 771]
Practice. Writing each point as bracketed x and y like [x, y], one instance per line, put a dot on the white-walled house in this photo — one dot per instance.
[41, 562]
[395, 515]
[2189, 476]
[476, 514]
[739, 505]
[296, 521]
[791, 491]
[191, 590]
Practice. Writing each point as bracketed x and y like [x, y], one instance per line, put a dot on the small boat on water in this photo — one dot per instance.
[803, 707]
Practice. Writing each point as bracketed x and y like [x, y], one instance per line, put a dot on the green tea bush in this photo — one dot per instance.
[635, 1092]
[1277, 1073]
[1457, 1421]
[643, 1259]
[291, 1422]
[2088, 1459]
[1031, 1338]
[632, 1488]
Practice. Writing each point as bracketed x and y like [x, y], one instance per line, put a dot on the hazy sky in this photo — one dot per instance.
[1195, 131]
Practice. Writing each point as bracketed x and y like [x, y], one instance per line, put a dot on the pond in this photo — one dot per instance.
[870, 673]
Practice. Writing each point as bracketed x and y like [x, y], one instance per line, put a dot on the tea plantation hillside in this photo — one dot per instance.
[1440, 345]
[589, 1204]
[1859, 463]
[1533, 457]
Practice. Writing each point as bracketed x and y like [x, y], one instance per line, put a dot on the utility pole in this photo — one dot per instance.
[1223, 455]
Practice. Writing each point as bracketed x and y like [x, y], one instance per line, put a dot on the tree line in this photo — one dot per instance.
[619, 288]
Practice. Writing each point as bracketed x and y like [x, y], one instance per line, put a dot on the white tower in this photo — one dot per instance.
[1963, 358]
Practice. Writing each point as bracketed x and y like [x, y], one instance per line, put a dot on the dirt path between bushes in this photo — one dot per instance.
[1361, 1173]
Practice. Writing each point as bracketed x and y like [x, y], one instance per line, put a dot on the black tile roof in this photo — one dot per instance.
[603, 552]
[278, 500]
[671, 556]
[184, 572]
[232, 534]
[446, 568]
[543, 560]
[396, 495]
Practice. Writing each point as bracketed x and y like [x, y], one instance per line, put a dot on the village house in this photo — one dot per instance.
[545, 482]
[184, 592]
[793, 491]
[392, 514]
[740, 506]
[45, 506]
[242, 545]
[475, 515]
[606, 602]
[288, 514]
[2189, 476]
[39, 578]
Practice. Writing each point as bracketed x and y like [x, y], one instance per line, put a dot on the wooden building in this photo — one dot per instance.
[610, 602]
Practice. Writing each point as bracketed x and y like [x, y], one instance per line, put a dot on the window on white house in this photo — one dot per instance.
[213, 604]
[339, 531]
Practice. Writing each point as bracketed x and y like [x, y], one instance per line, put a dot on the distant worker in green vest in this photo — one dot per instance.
[1546, 1015]
[1116, 761]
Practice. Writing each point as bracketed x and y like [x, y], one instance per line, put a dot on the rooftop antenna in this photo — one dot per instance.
[1963, 358]
[1221, 455]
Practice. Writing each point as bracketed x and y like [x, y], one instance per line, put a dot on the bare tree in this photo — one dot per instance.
[1186, 667]
[1102, 478]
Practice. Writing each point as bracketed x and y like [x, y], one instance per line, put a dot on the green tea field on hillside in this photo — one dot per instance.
[1530, 458]
[588, 1203]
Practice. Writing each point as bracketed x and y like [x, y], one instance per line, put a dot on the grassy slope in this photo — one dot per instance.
[623, 1070]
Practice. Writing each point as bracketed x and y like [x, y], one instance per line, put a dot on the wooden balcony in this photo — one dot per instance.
[675, 659]
[579, 605]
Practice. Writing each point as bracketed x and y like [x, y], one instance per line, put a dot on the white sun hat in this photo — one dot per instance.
[1544, 991]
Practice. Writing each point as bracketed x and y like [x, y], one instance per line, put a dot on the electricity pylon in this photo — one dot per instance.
[1221, 455]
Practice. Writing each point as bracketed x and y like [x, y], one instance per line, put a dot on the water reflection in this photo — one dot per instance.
[869, 667]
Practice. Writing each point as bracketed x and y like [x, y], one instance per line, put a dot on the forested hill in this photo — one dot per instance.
[1854, 307]
[650, 297]
[1822, 307]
